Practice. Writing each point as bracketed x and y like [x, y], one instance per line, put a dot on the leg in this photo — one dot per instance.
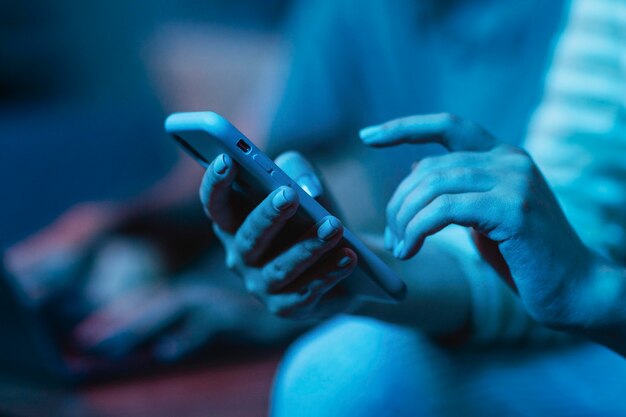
[361, 367]
[353, 367]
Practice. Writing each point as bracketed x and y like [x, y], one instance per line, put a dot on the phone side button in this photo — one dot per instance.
[281, 178]
[263, 162]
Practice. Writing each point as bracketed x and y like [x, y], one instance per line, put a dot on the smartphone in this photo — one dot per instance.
[204, 135]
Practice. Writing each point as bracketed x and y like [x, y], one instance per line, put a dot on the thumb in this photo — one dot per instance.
[490, 252]
[302, 172]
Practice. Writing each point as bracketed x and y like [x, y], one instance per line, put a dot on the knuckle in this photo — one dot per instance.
[274, 274]
[518, 158]
[444, 204]
[245, 240]
[469, 175]
[310, 247]
[435, 179]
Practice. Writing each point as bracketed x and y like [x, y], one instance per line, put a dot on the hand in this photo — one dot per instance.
[500, 193]
[125, 307]
[169, 321]
[294, 278]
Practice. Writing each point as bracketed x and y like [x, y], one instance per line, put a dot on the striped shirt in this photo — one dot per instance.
[578, 134]
[577, 137]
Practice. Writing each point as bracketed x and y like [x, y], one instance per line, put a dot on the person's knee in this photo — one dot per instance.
[350, 366]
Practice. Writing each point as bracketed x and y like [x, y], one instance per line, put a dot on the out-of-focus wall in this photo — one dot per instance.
[85, 86]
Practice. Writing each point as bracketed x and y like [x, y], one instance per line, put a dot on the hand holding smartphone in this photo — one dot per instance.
[207, 135]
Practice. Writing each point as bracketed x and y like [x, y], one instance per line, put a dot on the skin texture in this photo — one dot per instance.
[296, 279]
[519, 227]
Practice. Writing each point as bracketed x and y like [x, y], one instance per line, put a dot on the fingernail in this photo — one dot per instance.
[311, 185]
[345, 261]
[221, 164]
[399, 250]
[283, 199]
[328, 229]
[368, 133]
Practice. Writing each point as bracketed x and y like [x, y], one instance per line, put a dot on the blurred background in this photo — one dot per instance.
[93, 192]
[85, 87]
